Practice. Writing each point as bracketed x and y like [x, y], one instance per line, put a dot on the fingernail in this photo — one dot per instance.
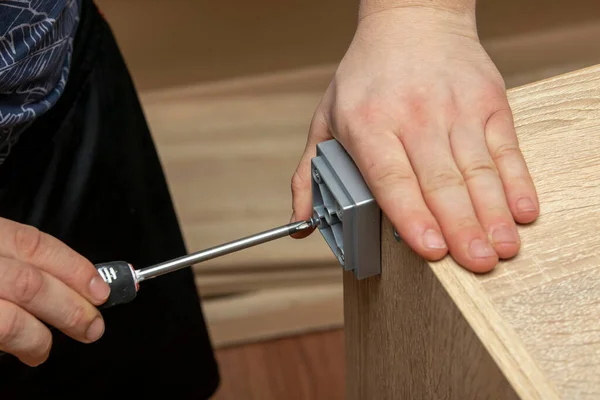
[99, 289]
[504, 234]
[433, 240]
[95, 330]
[481, 249]
[525, 205]
[293, 217]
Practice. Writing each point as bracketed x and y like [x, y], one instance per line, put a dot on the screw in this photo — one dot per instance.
[340, 212]
[396, 236]
[317, 176]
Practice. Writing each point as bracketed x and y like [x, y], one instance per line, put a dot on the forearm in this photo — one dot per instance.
[368, 7]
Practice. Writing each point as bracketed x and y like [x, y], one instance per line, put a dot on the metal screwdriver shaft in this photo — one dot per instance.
[217, 251]
[124, 279]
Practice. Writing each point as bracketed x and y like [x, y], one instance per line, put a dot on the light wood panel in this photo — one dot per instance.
[432, 330]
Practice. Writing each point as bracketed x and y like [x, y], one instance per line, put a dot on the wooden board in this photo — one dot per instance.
[531, 327]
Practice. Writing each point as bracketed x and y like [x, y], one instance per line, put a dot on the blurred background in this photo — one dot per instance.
[229, 89]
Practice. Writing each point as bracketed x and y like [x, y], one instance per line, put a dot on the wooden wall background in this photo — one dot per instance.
[229, 90]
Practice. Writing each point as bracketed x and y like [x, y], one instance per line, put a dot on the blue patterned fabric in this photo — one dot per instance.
[36, 38]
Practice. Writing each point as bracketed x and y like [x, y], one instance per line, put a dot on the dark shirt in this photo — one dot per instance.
[36, 38]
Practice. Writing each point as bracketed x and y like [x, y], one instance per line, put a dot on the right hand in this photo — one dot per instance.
[43, 280]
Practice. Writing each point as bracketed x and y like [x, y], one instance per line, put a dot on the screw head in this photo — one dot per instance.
[317, 176]
[396, 236]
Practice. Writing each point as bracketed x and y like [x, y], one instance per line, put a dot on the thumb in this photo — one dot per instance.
[302, 208]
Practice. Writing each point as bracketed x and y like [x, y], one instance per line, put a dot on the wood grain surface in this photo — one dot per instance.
[304, 367]
[537, 315]
[406, 339]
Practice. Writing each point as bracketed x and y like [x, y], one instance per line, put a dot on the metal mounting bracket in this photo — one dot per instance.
[350, 218]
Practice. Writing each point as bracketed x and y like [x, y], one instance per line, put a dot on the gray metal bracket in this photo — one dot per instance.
[350, 218]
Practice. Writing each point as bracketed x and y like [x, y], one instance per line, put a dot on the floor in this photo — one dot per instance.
[307, 367]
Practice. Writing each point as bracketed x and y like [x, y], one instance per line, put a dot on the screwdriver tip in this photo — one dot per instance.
[314, 222]
[304, 225]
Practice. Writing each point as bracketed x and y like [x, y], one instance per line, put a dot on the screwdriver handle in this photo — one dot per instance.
[122, 280]
[123, 283]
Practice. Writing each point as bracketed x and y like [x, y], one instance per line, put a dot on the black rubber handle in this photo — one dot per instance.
[123, 283]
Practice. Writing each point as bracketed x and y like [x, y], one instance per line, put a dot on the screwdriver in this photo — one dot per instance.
[124, 280]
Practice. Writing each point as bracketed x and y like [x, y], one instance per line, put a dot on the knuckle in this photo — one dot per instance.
[442, 179]
[493, 85]
[79, 270]
[506, 151]
[76, 317]
[387, 177]
[495, 88]
[28, 283]
[478, 168]
[463, 223]
[27, 242]
[351, 123]
[498, 82]
[492, 99]
[298, 183]
[349, 129]
[10, 323]
[353, 135]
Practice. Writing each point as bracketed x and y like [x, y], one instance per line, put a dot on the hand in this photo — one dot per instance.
[41, 279]
[423, 112]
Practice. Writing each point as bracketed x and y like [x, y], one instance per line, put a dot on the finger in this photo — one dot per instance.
[446, 194]
[301, 180]
[49, 300]
[387, 171]
[22, 335]
[28, 244]
[485, 188]
[518, 185]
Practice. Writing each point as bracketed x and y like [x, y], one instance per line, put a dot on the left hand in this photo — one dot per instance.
[423, 112]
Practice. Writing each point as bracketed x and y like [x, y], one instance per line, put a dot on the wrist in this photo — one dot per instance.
[448, 16]
[463, 8]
